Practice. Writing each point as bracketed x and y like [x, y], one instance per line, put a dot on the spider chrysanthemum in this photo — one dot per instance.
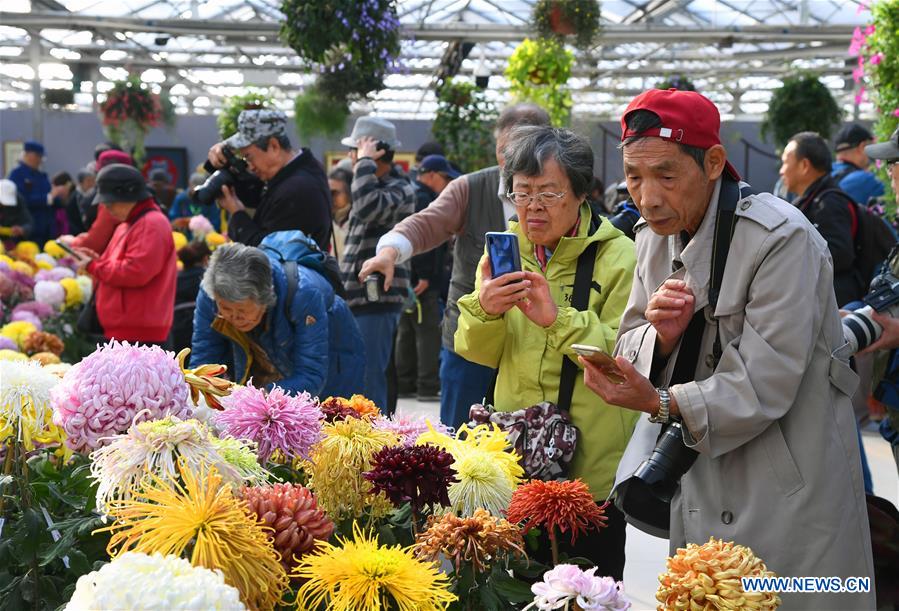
[560, 506]
[361, 575]
[418, 475]
[202, 520]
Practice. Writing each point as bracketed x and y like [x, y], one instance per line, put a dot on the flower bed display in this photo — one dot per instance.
[115, 494]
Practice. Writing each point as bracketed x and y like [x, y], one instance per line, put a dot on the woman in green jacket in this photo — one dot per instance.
[523, 324]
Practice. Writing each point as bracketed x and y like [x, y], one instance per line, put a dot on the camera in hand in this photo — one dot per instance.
[646, 496]
[859, 329]
[234, 171]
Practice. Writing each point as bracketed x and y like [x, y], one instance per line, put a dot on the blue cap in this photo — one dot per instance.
[33, 146]
[438, 163]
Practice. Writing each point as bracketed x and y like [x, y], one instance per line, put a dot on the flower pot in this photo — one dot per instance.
[558, 22]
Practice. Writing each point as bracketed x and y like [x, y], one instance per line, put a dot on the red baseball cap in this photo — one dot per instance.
[687, 118]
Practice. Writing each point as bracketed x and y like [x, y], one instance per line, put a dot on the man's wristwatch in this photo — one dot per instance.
[662, 415]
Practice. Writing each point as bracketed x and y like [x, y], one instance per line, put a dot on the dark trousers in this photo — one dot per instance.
[604, 547]
[418, 347]
[463, 384]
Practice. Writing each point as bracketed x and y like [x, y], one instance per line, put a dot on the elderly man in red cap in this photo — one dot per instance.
[731, 345]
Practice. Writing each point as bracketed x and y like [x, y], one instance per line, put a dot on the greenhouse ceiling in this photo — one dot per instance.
[735, 51]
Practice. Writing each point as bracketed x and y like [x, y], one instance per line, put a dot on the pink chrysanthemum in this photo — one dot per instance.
[276, 421]
[41, 310]
[118, 384]
[409, 427]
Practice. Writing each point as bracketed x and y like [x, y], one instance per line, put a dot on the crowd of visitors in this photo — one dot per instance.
[722, 303]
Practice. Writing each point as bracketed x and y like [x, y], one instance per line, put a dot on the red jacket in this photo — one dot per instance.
[97, 237]
[136, 278]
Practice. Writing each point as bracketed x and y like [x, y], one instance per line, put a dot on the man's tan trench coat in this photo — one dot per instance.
[779, 468]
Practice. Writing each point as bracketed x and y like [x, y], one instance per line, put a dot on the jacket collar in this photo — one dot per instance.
[824, 182]
[696, 256]
[139, 209]
[303, 158]
[569, 248]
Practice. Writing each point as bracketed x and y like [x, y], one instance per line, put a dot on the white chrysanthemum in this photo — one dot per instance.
[156, 446]
[137, 582]
[25, 396]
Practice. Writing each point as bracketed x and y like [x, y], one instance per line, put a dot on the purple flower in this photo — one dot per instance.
[41, 310]
[409, 428]
[276, 421]
[27, 316]
[54, 275]
[567, 583]
[8, 344]
[118, 384]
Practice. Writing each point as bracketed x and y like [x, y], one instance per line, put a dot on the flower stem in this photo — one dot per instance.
[554, 546]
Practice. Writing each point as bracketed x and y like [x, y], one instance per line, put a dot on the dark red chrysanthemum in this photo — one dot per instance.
[419, 475]
[335, 408]
[563, 505]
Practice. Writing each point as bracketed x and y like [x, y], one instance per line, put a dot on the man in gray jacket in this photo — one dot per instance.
[468, 208]
[764, 401]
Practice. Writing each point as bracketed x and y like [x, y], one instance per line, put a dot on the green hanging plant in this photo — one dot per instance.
[318, 114]
[357, 40]
[803, 103]
[128, 112]
[561, 18]
[537, 72]
[233, 106]
[676, 81]
[463, 124]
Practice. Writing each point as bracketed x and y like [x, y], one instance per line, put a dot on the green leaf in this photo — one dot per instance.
[513, 590]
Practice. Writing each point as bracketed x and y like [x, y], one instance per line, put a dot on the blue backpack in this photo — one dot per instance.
[346, 352]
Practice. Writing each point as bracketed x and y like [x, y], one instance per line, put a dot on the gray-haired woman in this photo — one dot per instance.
[523, 323]
[295, 335]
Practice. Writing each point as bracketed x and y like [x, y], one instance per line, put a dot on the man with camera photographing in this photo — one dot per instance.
[731, 339]
[294, 193]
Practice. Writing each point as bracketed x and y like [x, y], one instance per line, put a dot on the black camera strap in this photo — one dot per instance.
[725, 224]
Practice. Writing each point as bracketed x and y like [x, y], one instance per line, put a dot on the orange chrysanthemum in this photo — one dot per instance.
[481, 540]
[563, 505]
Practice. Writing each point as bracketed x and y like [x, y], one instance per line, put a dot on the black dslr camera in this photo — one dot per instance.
[235, 171]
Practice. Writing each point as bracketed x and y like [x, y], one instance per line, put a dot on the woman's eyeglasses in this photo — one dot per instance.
[547, 199]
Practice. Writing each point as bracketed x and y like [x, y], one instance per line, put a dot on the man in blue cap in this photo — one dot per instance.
[418, 334]
[34, 185]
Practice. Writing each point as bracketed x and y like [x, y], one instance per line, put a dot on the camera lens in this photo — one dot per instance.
[860, 330]
[210, 190]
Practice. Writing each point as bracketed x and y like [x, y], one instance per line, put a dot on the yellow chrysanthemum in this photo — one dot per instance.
[214, 240]
[44, 265]
[360, 575]
[11, 355]
[337, 462]
[18, 331]
[7, 259]
[180, 240]
[53, 249]
[487, 470]
[22, 267]
[74, 297]
[201, 515]
[27, 249]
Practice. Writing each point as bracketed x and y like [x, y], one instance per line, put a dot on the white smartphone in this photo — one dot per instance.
[601, 359]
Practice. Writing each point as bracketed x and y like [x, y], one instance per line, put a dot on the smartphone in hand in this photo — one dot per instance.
[68, 249]
[601, 359]
[502, 250]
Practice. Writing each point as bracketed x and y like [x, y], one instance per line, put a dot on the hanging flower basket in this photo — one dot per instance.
[128, 113]
[566, 18]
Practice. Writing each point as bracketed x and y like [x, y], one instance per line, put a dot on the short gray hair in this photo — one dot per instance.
[237, 272]
[529, 147]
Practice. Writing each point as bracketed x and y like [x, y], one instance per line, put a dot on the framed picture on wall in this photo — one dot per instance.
[12, 152]
[404, 160]
[171, 159]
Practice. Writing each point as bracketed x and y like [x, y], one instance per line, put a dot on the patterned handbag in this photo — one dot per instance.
[542, 434]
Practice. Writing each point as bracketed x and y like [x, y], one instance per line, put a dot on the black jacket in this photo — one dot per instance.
[429, 265]
[11, 216]
[829, 213]
[297, 197]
